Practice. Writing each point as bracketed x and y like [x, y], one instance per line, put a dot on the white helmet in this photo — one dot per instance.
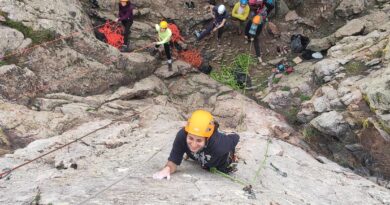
[221, 9]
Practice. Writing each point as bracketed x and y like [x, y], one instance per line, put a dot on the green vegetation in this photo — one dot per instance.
[37, 37]
[367, 100]
[286, 88]
[2, 63]
[275, 80]
[354, 68]
[304, 98]
[309, 132]
[291, 115]
[366, 123]
[226, 75]
[384, 127]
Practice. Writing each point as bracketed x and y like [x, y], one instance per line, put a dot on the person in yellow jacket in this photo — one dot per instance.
[240, 14]
[164, 38]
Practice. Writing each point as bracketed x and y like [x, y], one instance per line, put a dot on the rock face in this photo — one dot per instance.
[123, 150]
[18, 83]
[350, 7]
[127, 109]
[327, 69]
[80, 65]
[331, 123]
[12, 39]
[378, 90]
[353, 27]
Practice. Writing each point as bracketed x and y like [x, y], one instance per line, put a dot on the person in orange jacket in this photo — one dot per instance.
[201, 140]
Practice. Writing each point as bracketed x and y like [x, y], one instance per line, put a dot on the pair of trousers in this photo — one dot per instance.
[167, 49]
[208, 30]
[127, 24]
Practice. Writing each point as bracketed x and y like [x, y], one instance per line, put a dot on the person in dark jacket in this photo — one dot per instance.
[202, 142]
[252, 32]
[220, 17]
[125, 16]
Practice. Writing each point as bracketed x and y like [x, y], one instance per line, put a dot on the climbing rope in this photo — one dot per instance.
[113, 33]
[49, 42]
[58, 148]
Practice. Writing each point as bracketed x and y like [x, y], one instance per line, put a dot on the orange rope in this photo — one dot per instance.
[48, 42]
[113, 34]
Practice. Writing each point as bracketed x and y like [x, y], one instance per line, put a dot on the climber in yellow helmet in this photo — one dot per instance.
[164, 37]
[202, 142]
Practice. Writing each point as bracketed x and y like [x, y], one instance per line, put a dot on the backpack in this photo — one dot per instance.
[205, 68]
[253, 29]
[299, 43]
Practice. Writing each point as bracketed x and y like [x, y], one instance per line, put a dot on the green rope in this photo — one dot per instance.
[262, 163]
[247, 70]
[234, 179]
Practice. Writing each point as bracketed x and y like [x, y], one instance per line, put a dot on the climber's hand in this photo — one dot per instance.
[164, 173]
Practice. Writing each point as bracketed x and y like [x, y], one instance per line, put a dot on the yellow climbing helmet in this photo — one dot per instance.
[123, 0]
[200, 124]
[163, 24]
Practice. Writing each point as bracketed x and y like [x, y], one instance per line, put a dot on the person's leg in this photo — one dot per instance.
[167, 49]
[126, 32]
[220, 32]
[257, 48]
[207, 31]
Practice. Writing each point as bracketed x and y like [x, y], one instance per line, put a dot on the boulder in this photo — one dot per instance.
[376, 88]
[331, 123]
[11, 39]
[282, 8]
[279, 99]
[320, 44]
[291, 16]
[353, 27]
[325, 70]
[18, 84]
[178, 68]
[348, 8]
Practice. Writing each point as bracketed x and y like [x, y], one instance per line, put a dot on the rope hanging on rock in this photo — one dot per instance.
[176, 37]
[192, 57]
[113, 34]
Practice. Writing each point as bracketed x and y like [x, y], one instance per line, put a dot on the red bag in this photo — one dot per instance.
[289, 70]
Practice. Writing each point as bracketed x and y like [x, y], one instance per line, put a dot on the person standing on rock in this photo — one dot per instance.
[252, 32]
[125, 16]
[240, 14]
[201, 141]
[164, 37]
[217, 25]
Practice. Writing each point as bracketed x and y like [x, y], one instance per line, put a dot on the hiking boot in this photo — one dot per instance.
[197, 34]
[125, 48]
[170, 65]
[192, 4]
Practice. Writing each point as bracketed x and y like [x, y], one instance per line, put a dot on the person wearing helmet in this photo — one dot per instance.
[220, 16]
[202, 142]
[252, 32]
[240, 14]
[125, 16]
[164, 37]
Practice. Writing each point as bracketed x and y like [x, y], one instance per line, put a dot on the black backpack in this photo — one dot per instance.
[299, 43]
